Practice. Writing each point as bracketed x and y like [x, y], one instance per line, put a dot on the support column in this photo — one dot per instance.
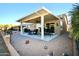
[42, 27]
[21, 29]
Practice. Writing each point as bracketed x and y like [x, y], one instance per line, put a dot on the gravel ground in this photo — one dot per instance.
[37, 47]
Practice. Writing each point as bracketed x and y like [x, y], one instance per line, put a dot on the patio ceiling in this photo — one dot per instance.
[36, 16]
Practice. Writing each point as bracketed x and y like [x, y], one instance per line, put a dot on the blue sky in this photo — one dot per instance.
[11, 12]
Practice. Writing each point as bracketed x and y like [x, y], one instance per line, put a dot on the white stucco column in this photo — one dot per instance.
[21, 29]
[42, 27]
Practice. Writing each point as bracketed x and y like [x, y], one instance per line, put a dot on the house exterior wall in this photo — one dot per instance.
[65, 27]
[57, 28]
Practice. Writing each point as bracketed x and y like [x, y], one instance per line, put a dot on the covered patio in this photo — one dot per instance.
[44, 25]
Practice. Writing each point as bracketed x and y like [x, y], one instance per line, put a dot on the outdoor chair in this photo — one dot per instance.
[47, 32]
[30, 32]
[26, 30]
[35, 31]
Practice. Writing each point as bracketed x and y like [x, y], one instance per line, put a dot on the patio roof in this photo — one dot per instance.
[35, 16]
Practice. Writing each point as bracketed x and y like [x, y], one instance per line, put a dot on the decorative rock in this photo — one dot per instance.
[27, 42]
[51, 54]
[45, 47]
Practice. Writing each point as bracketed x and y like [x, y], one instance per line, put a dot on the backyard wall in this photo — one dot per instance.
[11, 49]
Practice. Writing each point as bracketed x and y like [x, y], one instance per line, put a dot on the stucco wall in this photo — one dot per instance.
[11, 49]
[56, 25]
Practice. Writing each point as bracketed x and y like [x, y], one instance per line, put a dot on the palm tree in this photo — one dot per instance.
[75, 24]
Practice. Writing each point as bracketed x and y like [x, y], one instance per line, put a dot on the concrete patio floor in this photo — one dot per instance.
[46, 37]
[57, 46]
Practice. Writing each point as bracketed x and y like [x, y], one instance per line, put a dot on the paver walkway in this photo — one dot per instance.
[57, 46]
[3, 49]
